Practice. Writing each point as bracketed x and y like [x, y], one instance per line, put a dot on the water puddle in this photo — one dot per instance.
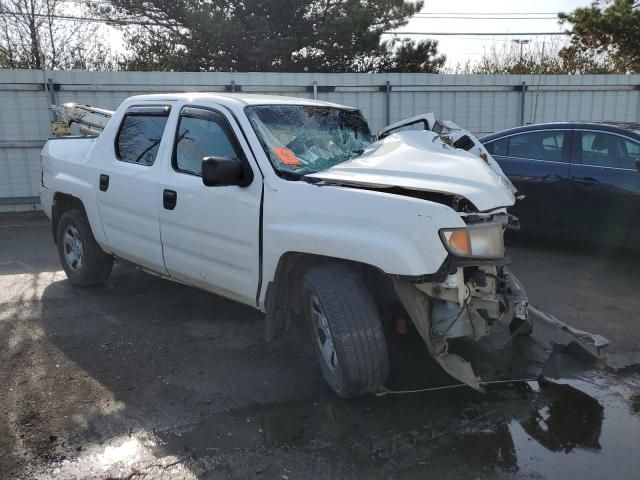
[587, 425]
[587, 429]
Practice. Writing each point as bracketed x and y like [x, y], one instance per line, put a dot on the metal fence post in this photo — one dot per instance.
[52, 92]
[387, 93]
[523, 93]
[52, 99]
[637, 119]
[315, 90]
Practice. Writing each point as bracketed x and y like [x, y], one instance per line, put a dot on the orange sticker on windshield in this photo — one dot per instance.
[286, 156]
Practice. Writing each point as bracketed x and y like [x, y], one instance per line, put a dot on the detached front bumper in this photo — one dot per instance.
[467, 304]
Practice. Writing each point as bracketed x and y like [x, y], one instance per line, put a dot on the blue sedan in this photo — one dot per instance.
[581, 179]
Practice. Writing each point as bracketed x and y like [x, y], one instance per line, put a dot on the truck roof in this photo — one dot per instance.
[242, 99]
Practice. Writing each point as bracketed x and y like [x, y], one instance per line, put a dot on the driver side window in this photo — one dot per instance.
[201, 136]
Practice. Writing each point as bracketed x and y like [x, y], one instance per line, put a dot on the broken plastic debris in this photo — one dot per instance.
[534, 385]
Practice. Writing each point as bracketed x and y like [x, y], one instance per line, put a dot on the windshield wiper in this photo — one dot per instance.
[289, 175]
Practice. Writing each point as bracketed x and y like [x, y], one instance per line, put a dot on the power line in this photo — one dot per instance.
[458, 17]
[482, 34]
[108, 2]
[504, 40]
[139, 22]
[487, 13]
[7, 13]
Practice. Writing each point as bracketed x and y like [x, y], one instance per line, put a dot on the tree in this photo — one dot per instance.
[265, 35]
[411, 57]
[608, 29]
[32, 35]
[547, 58]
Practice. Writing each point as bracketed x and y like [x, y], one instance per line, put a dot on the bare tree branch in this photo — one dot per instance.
[32, 35]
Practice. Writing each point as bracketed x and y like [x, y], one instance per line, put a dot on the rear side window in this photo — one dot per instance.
[602, 149]
[632, 148]
[140, 134]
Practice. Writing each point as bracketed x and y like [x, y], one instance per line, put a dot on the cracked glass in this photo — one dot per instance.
[306, 139]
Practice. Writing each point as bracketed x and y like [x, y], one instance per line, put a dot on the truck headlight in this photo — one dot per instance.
[477, 241]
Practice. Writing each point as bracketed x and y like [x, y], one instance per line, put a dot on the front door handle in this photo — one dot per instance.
[169, 199]
[104, 182]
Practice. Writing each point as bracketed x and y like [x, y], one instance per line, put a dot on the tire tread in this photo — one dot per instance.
[356, 327]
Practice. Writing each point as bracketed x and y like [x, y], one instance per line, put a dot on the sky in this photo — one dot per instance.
[460, 49]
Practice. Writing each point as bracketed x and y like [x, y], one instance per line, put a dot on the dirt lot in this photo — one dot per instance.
[144, 378]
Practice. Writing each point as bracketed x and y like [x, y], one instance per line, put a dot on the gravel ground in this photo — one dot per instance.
[145, 378]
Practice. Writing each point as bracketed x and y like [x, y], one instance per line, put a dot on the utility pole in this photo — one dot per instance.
[521, 42]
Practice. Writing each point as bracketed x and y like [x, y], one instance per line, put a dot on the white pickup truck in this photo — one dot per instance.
[293, 207]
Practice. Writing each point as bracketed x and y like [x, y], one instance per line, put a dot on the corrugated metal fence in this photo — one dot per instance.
[480, 103]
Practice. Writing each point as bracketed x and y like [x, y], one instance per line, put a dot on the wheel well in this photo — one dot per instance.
[284, 293]
[62, 203]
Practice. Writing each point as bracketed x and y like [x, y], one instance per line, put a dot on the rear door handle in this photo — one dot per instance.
[551, 178]
[587, 181]
[104, 182]
[169, 199]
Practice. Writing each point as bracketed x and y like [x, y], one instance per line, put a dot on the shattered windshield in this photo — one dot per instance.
[306, 139]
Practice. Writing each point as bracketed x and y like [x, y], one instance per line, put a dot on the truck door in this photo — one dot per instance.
[210, 235]
[128, 186]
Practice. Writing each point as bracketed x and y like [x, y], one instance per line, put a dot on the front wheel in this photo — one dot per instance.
[346, 330]
[84, 262]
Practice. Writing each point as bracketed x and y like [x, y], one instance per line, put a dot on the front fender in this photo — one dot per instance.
[394, 233]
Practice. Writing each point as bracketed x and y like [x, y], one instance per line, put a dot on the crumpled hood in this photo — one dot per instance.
[421, 160]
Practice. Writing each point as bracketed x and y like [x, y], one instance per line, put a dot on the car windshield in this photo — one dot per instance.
[306, 139]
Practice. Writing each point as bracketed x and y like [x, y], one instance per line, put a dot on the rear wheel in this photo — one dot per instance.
[84, 262]
[346, 330]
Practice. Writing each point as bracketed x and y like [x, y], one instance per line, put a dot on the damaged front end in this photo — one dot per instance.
[474, 294]
[473, 289]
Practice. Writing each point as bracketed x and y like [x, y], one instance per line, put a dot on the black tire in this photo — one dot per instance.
[359, 347]
[95, 265]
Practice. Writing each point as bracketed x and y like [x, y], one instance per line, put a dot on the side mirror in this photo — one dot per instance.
[221, 171]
